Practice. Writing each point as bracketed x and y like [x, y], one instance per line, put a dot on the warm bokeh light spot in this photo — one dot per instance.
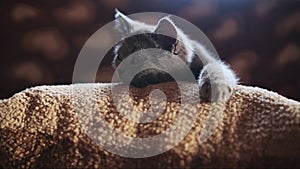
[48, 42]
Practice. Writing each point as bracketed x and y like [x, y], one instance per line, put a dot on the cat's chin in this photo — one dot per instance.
[149, 79]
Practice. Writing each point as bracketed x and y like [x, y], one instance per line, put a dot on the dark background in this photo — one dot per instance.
[41, 39]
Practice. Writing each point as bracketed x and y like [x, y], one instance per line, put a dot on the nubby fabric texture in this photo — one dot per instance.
[39, 128]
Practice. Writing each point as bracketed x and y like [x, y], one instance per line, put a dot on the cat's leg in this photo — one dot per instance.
[216, 81]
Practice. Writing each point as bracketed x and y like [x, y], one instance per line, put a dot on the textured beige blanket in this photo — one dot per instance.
[40, 129]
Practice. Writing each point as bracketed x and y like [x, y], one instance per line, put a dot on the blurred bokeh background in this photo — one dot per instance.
[41, 40]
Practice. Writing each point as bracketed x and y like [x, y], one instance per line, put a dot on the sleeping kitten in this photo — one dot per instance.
[216, 80]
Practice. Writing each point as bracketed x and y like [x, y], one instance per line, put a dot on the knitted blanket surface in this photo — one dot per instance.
[56, 127]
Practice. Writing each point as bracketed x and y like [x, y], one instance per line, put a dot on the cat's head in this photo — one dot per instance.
[145, 36]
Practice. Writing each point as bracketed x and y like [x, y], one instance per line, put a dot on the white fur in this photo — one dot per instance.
[128, 25]
[218, 72]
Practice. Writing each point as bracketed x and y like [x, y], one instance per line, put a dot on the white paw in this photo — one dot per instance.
[216, 82]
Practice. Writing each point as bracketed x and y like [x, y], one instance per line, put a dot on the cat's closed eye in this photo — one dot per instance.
[119, 58]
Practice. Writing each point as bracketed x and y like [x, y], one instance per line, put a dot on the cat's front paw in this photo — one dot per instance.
[215, 92]
[216, 82]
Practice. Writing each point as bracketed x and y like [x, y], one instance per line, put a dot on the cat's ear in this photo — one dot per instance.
[123, 23]
[165, 26]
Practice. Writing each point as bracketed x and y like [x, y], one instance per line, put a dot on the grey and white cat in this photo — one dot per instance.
[216, 80]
